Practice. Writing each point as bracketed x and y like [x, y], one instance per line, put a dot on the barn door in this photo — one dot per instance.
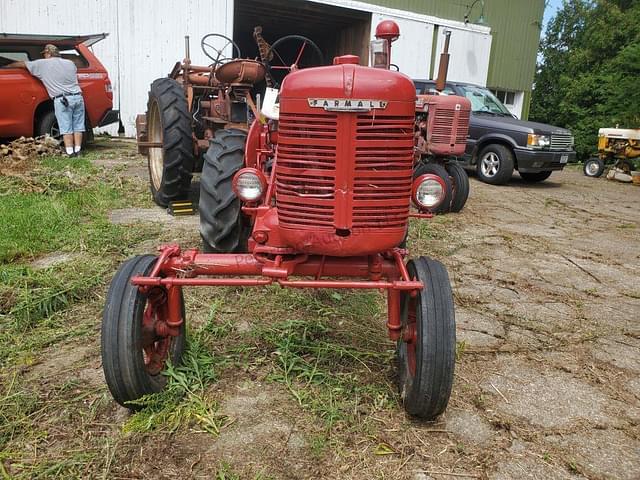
[412, 51]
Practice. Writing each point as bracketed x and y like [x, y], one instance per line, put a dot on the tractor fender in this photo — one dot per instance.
[253, 144]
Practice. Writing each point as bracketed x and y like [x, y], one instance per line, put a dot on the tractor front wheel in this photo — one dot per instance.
[427, 347]
[223, 227]
[440, 171]
[134, 349]
[593, 167]
[460, 184]
[169, 125]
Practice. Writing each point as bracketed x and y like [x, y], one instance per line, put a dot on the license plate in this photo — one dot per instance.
[564, 158]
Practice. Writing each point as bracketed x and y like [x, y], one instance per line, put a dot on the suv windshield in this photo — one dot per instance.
[482, 100]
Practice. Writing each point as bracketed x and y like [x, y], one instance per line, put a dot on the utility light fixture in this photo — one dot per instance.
[481, 20]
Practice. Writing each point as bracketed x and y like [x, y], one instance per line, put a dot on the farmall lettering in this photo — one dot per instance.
[347, 104]
[317, 195]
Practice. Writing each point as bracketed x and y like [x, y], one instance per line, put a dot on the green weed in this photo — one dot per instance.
[28, 296]
[225, 472]
[460, 349]
[624, 226]
[328, 374]
[16, 405]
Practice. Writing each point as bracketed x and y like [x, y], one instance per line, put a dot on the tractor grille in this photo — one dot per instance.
[561, 141]
[306, 169]
[443, 127]
[383, 168]
[377, 166]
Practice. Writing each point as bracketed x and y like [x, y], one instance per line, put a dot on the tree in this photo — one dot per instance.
[589, 71]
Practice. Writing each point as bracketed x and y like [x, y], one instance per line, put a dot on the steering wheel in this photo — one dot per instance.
[210, 43]
[393, 67]
[290, 53]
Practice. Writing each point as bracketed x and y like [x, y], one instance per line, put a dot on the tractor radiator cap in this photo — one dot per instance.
[346, 60]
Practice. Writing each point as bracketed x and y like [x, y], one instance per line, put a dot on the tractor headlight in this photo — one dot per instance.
[249, 184]
[428, 191]
[538, 141]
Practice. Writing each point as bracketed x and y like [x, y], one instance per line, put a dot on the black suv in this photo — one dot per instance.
[498, 142]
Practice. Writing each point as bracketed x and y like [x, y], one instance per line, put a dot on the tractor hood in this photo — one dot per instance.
[349, 87]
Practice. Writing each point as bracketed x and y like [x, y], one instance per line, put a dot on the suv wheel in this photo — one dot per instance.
[495, 164]
[48, 125]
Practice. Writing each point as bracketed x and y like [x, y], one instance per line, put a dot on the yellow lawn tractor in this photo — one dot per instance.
[618, 145]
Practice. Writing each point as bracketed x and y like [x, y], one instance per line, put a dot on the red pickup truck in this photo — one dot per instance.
[25, 107]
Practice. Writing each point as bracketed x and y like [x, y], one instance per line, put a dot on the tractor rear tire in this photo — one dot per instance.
[460, 184]
[223, 227]
[426, 361]
[594, 167]
[169, 123]
[440, 171]
[534, 177]
[123, 359]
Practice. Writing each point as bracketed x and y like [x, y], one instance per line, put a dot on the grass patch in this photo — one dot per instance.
[61, 206]
[624, 226]
[329, 354]
[28, 296]
[226, 472]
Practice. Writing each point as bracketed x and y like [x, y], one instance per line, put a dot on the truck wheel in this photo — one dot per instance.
[534, 177]
[427, 347]
[495, 164]
[169, 123]
[460, 184]
[223, 227]
[439, 170]
[593, 167]
[133, 354]
[48, 125]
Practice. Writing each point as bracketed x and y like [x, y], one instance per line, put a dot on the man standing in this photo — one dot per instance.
[60, 78]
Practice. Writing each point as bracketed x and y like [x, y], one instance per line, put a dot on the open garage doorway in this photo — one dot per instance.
[336, 30]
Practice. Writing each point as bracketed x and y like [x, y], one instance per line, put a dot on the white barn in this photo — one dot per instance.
[146, 37]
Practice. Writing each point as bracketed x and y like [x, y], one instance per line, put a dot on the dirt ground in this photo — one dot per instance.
[546, 281]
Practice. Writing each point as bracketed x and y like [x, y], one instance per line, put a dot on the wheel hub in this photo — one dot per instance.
[156, 154]
[592, 168]
[490, 164]
[155, 337]
[410, 336]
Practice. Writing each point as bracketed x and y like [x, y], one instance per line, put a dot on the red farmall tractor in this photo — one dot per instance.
[316, 194]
